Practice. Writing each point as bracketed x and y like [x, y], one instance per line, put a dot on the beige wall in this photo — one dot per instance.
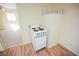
[1, 46]
[2, 27]
[2, 20]
[63, 28]
[69, 34]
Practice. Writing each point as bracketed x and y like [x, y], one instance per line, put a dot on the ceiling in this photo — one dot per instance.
[8, 5]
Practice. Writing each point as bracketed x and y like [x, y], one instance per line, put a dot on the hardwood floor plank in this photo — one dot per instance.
[68, 52]
[27, 50]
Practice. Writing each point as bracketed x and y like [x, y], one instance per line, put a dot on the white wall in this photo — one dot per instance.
[69, 34]
[31, 14]
[28, 14]
[62, 28]
[53, 23]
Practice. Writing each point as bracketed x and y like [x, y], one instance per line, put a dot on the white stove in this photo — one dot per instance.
[39, 36]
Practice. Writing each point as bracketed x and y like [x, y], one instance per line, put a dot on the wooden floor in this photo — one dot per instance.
[27, 50]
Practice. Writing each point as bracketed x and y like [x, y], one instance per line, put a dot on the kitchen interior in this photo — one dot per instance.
[39, 29]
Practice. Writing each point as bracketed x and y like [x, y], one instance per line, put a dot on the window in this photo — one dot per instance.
[11, 17]
[12, 21]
